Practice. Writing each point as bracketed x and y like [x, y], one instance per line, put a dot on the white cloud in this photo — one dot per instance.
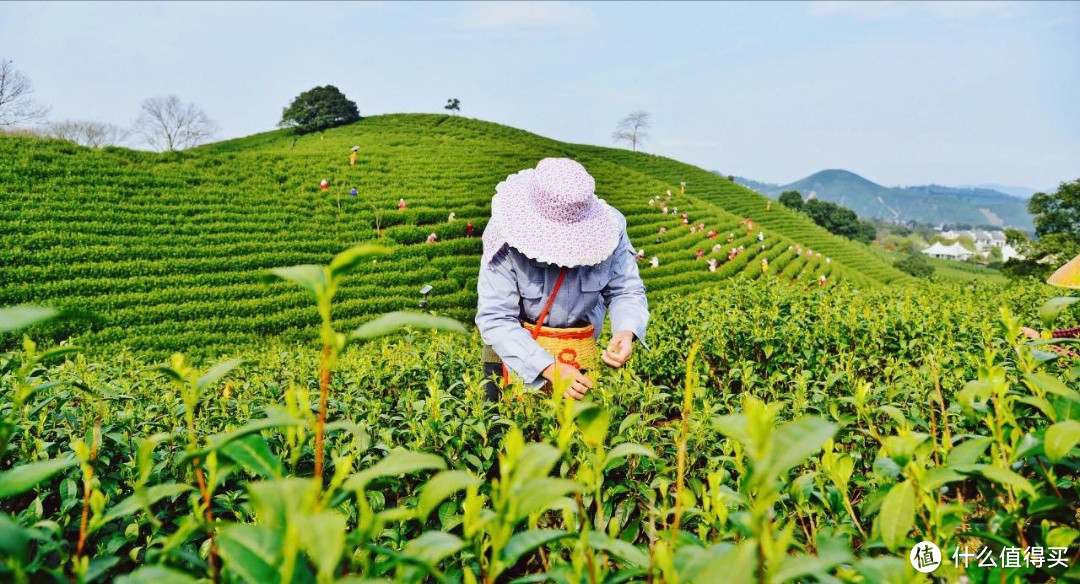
[528, 16]
[888, 9]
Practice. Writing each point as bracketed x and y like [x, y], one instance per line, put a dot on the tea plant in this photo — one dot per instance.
[807, 436]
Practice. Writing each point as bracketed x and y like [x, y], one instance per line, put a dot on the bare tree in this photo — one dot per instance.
[88, 133]
[166, 123]
[16, 107]
[632, 129]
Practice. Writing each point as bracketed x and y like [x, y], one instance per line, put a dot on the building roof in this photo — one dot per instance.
[954, 250]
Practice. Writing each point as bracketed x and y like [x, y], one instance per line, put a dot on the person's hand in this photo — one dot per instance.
[620, 349]
[579, 383]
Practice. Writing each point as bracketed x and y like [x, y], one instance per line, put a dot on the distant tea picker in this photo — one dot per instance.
[555, 259]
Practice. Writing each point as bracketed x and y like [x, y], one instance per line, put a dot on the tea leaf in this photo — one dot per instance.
[1050, 384]
[432, 546]
[275, 502]
[57, 352]
[216, 372]
[830, 553]
[25, 477]
[393, 322]
[144, 499]
[736, 566]
[935, 478]
[398, 462]
[220, 440]
[252, 453]
[627, 449]
[797, 440]
[1061, 438]
[969, 451]
[350, 258]
[13, 318]
[998, 475]
[99, 566]
[441, 486]
[623, 550]
[309, 277]
[1053, 307]
[897, 515]
[541, 493]
[526, 541]
[14, 538]
[250, 551]
[322, 536]
[534, 459]
[594, 422]
[884, 570]
[156, 575]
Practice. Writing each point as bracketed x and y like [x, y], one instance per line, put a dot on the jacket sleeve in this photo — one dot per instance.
[624, 294]
[497, 315]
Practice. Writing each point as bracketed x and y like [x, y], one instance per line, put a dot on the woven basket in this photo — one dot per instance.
[574, 346]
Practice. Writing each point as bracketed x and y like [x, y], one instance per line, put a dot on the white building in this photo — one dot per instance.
[984, 240]
[1008, 252]
[948, 252]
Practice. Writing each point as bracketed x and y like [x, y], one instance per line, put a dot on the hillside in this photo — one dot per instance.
[930, 204]
[168, 249]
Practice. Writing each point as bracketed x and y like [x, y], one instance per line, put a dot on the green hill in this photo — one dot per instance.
[168, 249]
[931, 204]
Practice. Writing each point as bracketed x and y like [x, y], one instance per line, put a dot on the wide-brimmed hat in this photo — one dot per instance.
[551, 214]
[1067, 276]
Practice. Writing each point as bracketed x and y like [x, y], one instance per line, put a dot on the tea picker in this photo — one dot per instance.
[1067, 276]
[555, 259]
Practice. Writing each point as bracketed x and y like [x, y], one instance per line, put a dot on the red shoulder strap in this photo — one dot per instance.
[547, 307]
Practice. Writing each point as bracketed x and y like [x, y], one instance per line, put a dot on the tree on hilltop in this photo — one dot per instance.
[318, 109]
[791, 200]
[168, 124]
[632, 129]
[839, 220]
[16, 106]
[835, 218]
[453, 105]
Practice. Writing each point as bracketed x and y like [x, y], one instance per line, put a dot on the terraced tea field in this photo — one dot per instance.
[774, 431]
[167, 251]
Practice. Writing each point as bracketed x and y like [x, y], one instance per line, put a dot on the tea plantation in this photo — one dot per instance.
[166, 251]
[211, 426]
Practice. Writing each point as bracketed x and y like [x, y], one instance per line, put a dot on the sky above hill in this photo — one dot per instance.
[929, 92]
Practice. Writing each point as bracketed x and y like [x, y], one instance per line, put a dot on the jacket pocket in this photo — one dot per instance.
[595, 279]
[531, 289]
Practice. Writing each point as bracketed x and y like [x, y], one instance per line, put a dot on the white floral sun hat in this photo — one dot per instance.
[551, 214]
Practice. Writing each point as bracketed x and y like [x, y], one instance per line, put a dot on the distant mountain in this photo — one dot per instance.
[1022, 192]
[931, 204]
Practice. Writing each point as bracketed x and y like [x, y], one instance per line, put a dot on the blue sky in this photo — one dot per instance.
[902, 93]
